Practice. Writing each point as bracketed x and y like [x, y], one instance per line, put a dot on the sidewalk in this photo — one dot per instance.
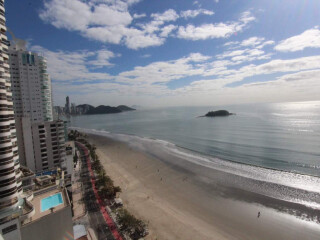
[77, 195]
[105, 214]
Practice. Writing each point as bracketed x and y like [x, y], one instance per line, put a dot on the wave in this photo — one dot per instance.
[287, 186]
[297, 180]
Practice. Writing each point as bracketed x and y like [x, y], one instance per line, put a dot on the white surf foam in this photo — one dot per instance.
[294, 180]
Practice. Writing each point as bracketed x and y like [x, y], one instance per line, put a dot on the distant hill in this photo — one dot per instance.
[85, 108]
[88, 109]
[104, 110]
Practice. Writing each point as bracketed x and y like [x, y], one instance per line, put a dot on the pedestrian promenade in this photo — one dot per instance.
[105, 214]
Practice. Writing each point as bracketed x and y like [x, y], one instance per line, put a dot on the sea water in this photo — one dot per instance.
[282, 136]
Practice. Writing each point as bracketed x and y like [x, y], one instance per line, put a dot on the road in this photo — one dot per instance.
[96, 220]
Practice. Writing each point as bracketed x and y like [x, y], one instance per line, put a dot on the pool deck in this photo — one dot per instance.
[36, 202]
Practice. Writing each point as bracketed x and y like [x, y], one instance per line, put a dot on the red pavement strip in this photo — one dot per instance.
[105, 214]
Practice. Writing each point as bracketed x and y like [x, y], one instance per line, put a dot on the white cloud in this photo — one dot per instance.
[206, 31]
[274, 66]
[109, 21]
[302, 76]
[196, 3]
[75, 66]
[217, 30]
[168, 15]
[247, 17]
[163, 72]
[136, 39]
[256, 42]
[227, 44]
[136, 16]
[65, 14]
[112, 34]
[105, 21]
[308, 39]
[102, 58]
[231, 54]
[270, 42]
[253, 41]
[107, 16]
[194, 13]
[167, 30]
[244, 55]
[74, 72]
[151, 34]
[146, 56]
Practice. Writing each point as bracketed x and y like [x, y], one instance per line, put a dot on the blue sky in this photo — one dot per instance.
[167, 53]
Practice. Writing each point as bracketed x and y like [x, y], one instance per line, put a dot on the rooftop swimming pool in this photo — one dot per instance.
[51, 201]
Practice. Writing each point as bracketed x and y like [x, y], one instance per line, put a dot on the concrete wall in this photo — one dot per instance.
[31, 86]
[32, 147]
[13, 235]
[28, 144]
[55, 226]
[19, 132]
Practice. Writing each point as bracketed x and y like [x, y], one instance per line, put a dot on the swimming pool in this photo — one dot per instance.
[51, 201]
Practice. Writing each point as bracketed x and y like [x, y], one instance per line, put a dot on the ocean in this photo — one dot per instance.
[281, 136]
[270, 150]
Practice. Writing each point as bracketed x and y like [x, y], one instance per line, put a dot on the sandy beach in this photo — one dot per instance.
[178, 202]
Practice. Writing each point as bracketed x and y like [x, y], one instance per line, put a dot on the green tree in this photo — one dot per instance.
[75, 159]
[131, 225]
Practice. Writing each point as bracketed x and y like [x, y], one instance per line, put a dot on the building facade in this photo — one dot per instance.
[31, 85]
[67, 106]
[40, 138]
[14, 208]
[21, 213]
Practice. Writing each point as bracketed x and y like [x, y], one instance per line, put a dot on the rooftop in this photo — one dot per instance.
[26, 172]
[36, 202]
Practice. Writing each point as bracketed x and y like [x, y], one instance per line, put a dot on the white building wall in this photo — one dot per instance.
[10, 230]
[27, 140]
[54, 226]
[11, 202]
[31, 85]
[32, 99]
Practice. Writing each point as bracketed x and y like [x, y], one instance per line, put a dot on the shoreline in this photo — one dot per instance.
[177, 204]
[114, 134]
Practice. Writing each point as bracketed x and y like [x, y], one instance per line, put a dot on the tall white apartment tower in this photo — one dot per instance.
[41, 140]
[10, 182]
[13, 207]
[31, 84]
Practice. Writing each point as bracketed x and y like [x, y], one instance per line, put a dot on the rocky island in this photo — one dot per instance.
[219, 113]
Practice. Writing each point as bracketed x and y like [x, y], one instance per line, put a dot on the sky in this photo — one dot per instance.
[157, 53]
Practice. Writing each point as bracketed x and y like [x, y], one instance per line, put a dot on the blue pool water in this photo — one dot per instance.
[51, 201]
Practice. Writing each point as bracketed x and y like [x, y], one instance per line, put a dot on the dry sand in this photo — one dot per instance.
[176, 206]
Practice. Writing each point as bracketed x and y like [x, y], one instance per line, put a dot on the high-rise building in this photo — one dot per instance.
[41, 140]
[13, 207]
[73, 109]
[67, 106]
[31, 84]
[22, 215]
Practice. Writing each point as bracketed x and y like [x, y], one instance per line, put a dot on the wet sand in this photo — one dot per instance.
[178, 202]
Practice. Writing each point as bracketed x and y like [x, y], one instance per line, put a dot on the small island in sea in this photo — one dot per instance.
[219, 113]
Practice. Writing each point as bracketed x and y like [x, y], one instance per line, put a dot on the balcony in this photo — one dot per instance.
[42, 136]
[4, 164]
[62, 154]
[23, 211]
[8, 192]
